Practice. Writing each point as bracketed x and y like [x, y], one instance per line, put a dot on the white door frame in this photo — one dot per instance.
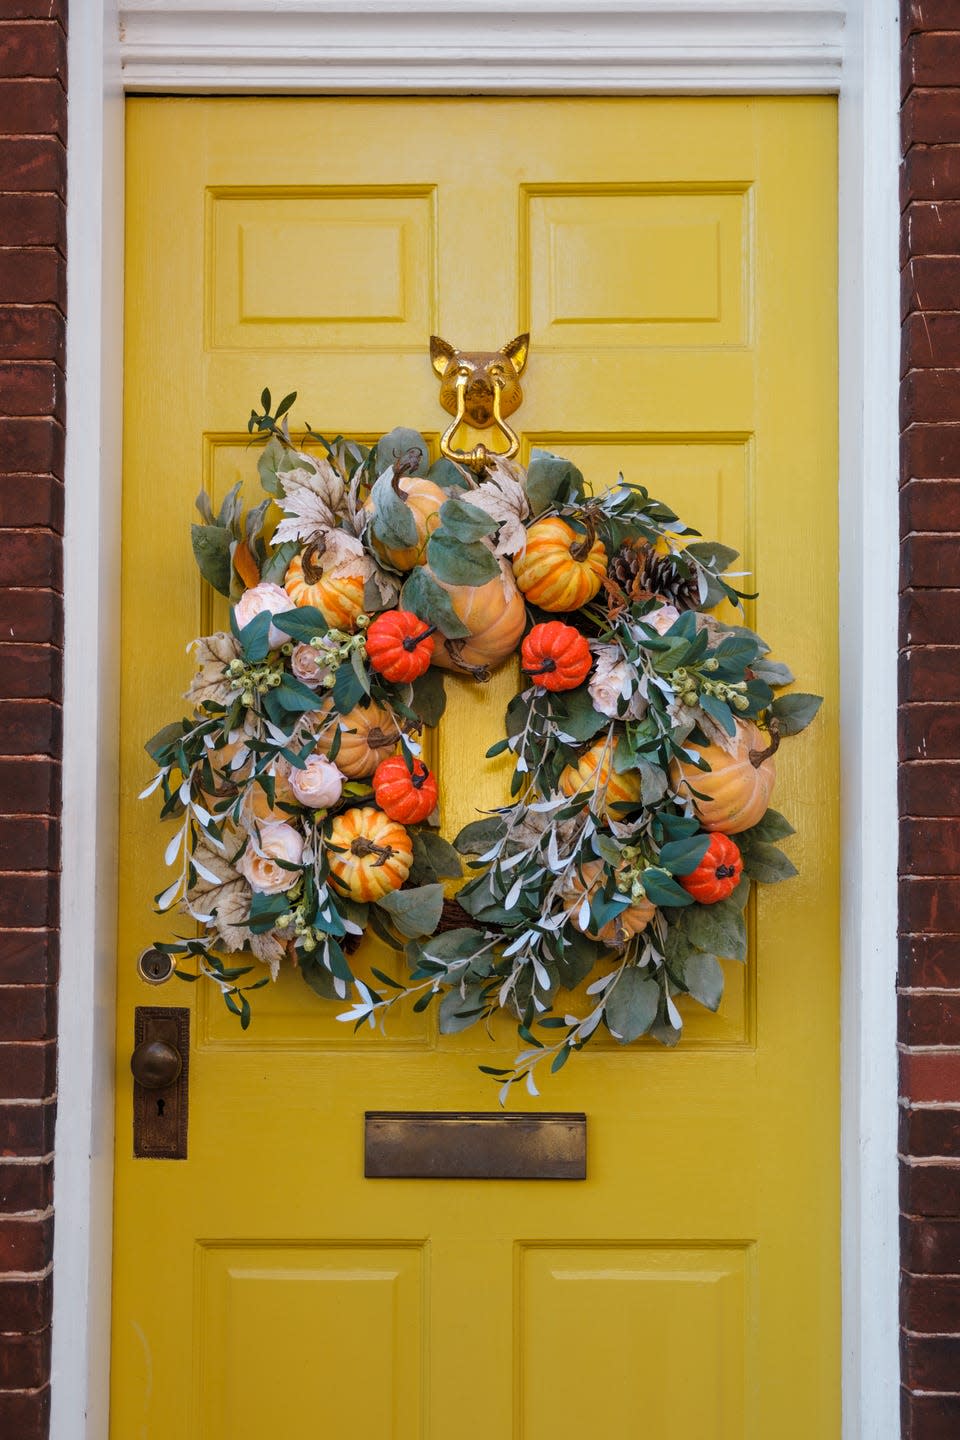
[498, 46]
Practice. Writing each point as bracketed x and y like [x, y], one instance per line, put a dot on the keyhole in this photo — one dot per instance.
[161, 1103]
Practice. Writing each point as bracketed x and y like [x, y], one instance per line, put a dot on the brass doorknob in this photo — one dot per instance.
[156, 1064]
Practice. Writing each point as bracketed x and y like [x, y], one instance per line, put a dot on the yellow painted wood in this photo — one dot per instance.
[675, 263]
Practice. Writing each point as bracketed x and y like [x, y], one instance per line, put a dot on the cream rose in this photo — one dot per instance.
[261, 598]
[613, 680]
[258, 863]
[318, 784]
[662, 618]
[307, 663]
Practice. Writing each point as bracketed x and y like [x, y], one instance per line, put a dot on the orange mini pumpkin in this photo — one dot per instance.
[718, 873]
[736, 789]
[622, 927]
[373, 853]
[368, 733]
[424, 499]
[495, 615]
[400, 645]
[339, 598]
[556, 656]
[560, 569]
[594, 770]
[405, 796]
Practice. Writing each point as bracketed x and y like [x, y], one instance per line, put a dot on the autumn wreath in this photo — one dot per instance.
[643, 739]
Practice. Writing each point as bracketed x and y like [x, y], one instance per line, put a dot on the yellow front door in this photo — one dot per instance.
[674, 262]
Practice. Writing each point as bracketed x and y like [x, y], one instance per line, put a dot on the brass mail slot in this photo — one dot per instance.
[411, 1145]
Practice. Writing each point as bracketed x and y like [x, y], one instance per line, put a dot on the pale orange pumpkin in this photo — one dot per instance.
[495, 614]
[594, 768]
[622, 927]
[738, 785]
[560, 570]
[282, 795]
[368, 734]
[374, 853]
[424, 499]
[338, 598]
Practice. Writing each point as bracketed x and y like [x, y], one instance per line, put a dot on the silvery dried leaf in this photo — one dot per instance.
[502, 496]
[211, 682]
[268, 949]
[311, 502]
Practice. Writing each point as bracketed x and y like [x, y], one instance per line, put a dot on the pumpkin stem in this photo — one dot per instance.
[544, 669]
[362, 847]
[411, 642]
[404, 466]
[757, 757]
[312, 572]
[454, 650]
[376, 738]
[581, 548]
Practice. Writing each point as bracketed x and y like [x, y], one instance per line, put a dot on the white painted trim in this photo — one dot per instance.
[515, 46]
[396, 46]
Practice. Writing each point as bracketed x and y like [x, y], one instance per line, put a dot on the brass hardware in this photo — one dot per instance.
[474, 1146]
[480, 388]
[160, 1063]
[154, 967]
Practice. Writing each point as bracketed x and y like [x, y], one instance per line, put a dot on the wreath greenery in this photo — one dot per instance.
[642, 739]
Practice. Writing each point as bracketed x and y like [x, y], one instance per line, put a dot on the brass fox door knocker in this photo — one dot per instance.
[481, 387]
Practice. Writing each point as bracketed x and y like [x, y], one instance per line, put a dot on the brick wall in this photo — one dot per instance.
[930, 723]
[32, 308]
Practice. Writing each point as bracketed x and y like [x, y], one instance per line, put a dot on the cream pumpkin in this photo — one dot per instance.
[424, 499]
[592, 771]
[338, 598]
[736, 790]
[495, 614]
[560, 570]
[622, 927]
[368, 734]
[373, 855]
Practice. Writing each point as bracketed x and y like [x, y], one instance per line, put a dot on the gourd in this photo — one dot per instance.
[282, 795]
[495, 615]
[594, 769]
[718, 873]
[560, 569]
[368, 733]
[735, 792]
[373, 853]
[424, 499]
[556, 656]
[400, 646]
[338, 598]
[623, 926]
[405, 796]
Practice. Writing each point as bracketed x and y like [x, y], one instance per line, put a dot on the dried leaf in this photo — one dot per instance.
[211, 682]
[312, 501]
[503, 497]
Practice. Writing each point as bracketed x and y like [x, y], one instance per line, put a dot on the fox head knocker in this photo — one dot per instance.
[484, 370]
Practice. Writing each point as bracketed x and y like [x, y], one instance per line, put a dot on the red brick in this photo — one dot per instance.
[30, 219]
[32, 332]
[26, 1307]
[928, 1132]
[34, 502]
[924, 505]
[930, 617]
[32, 107]
[28, 1071]
[930, 117]
[929, 1362]
[928, 283]
[32, 446]
[930, 1019]
[926, 788]
[33, 616]
[930, 1303]
[930, 172]
[930, 452]
[929, 732]
[36, 275]
[929, 396]
[27, 1129]
[35, 387]
[25, 1414]
[28, 1012]
[930, 672]
[24, 1361]
[33, 164]
[35, 10]
[29, 727]
[927, 847]
[930, 560]
[930, 1247]
[932, 59]
[29, 672]
[929, 960]
[29, 900]
[923, 15]
[33, 48]
[31, 558]
[25, 1186]
[930, 339]
[925, 1075]
[26, 1244]
[29, 842]
[29, 957]
[929, 1417]
[931, 227]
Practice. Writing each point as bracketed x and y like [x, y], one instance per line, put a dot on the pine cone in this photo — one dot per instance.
[642, 575]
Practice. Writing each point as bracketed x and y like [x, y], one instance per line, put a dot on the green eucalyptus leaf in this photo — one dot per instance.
[430, 696]
[277, 563]
[702, 976]
[773, 826]
[254, 638]
[447, 475]
[765, 863]
[452, 944]
[457, 563]
[632, 1006]
[551, 480]
[158, 745]
[718, 929]
[393, 522]
[794, 712]
[301, 623]
[433, 858]
[425, 597]
[211, 550]
[478, 837]
[464, 522]
[414, 912]
[576, 715]
[681, 857]
[458, 1012]
[715, 556]
[773, 671]
[396, 445]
